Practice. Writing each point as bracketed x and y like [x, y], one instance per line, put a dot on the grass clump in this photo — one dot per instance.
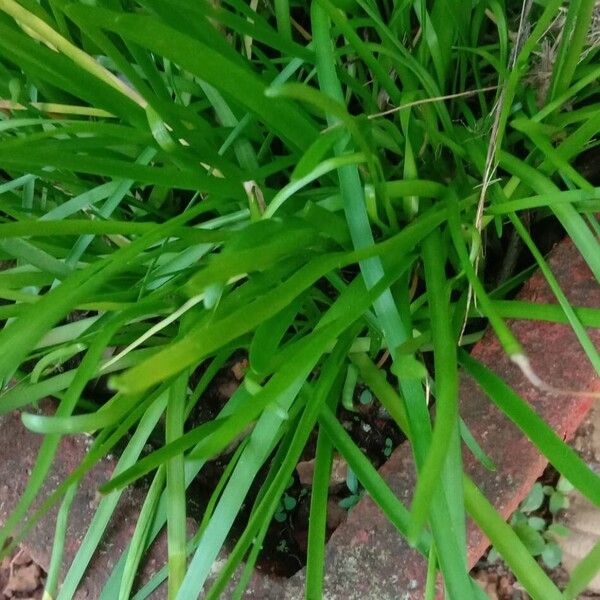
[312, 184]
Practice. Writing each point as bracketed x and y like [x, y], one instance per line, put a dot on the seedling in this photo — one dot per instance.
[286, 505]
[366, 397]
[387, 449]
[539, 536]
[355, 492]
[350, 386]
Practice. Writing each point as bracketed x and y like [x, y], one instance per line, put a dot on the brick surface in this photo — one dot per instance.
[16, 468]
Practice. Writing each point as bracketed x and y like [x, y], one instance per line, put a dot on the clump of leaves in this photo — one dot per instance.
[536, 532]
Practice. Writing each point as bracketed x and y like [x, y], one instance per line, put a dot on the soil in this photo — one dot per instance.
[21, 578]
[284, 548]
[500, 584]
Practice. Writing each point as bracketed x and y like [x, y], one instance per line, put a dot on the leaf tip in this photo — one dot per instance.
[116, 384]
[272, 92]
[413, 534]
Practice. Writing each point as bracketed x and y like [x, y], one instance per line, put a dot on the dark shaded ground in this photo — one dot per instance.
[284, 548]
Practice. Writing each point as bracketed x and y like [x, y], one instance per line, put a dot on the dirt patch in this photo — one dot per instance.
[21, 578]
[499, 583]
[284, 548]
